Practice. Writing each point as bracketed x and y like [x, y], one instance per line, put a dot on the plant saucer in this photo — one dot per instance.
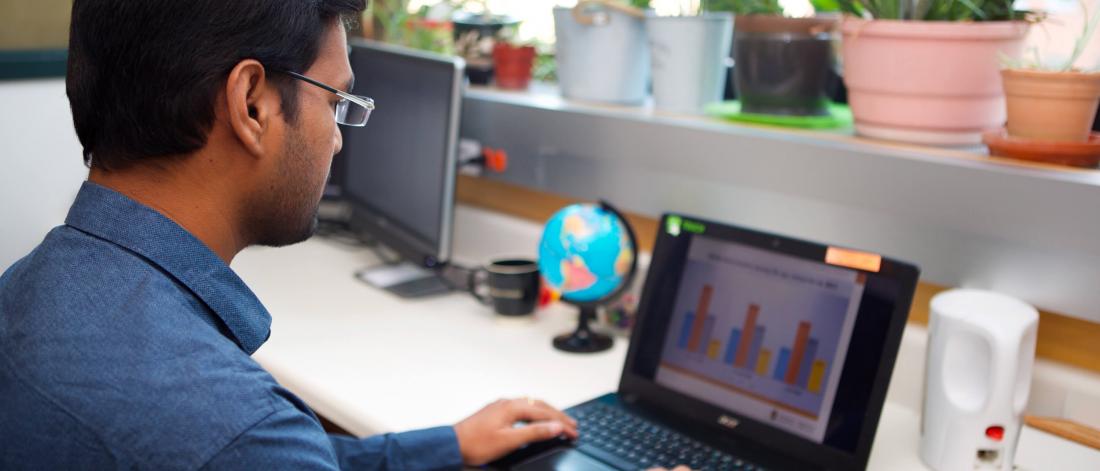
[839, 116]
[1075, 154]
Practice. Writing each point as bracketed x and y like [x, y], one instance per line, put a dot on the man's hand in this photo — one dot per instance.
[491, 432]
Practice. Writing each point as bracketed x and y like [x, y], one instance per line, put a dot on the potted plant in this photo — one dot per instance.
[927, 71]
[512, 63]
[428, 29]
[1053, 102]
[1051, 108]
[781, 64]
[387, 20]
[688, 56]
[475, 34]
[602, 53]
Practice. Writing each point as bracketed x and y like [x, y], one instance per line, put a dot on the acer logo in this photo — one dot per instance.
[727, 421]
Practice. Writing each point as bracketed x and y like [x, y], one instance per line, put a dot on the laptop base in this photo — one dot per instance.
[609, 428]
[563, 460]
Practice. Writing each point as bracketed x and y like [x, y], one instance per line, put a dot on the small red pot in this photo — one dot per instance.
[512, 65]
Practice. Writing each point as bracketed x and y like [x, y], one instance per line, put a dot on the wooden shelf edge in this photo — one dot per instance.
[1066, 429]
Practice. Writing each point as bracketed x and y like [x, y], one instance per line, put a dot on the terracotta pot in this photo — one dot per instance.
[782, 64]
[512, 65]
[1051, 106]
[930, 82]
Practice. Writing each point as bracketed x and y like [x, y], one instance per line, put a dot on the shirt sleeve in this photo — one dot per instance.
[291, 440]
[432, 449]
[286, 439]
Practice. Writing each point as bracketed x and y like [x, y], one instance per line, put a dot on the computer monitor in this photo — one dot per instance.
[398, 172]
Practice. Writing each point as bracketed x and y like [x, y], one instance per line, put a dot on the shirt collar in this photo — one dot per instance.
[111, 216]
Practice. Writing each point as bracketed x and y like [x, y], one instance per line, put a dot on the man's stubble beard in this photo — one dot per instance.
[287, 211]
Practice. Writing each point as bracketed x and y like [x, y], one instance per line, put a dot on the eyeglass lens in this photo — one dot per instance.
[350, 113]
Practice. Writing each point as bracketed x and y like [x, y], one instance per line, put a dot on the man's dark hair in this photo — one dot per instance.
[143, 74]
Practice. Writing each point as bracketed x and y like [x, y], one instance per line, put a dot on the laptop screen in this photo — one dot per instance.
[760, 333]
[760, 328]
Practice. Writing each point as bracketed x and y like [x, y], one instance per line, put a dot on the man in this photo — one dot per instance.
[208, 126]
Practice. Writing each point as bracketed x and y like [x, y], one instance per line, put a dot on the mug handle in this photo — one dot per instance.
[472, 284]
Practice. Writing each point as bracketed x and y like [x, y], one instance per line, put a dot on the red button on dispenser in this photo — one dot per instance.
[996, 433]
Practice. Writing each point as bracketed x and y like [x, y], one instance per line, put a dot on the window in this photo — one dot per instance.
[33, 37]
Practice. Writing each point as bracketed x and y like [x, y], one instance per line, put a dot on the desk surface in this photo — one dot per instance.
[371, 362]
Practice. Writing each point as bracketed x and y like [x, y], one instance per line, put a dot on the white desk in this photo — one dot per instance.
[371, 362]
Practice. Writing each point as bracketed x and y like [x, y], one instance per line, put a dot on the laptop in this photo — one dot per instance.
[750, 351]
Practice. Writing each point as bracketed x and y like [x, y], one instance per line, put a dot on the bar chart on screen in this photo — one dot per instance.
[796, 365]
[764, 330]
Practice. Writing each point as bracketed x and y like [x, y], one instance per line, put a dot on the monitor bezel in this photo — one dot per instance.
[715, 420]
[377, 224]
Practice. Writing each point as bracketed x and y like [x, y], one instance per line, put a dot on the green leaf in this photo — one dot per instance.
[745, 7]
[826, 5]
[934, 10]
[851, 7]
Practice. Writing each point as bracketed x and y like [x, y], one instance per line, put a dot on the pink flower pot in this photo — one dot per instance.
[927, 82]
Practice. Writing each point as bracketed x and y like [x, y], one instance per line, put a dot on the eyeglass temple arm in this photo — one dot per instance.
[368, 104]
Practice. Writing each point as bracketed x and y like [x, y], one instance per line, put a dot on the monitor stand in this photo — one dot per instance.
[404, 279]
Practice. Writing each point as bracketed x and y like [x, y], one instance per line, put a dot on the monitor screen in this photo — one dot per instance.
[398, 171]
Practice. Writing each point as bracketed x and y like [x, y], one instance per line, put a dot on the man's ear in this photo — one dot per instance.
[252, 103]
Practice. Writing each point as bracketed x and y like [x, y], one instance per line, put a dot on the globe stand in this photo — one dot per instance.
[584, 339]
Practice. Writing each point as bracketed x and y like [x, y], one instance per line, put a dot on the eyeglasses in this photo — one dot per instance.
[351, 110]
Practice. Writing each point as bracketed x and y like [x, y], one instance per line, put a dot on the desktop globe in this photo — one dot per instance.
[587, 257]
[585, 253]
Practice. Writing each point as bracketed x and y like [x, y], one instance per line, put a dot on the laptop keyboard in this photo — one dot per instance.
[631, 442]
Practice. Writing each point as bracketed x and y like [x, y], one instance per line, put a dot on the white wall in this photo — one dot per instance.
[40, 164]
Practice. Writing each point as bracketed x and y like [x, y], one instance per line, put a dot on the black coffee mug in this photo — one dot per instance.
[513, 286]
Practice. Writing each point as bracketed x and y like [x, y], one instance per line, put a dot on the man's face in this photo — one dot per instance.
[287, 209]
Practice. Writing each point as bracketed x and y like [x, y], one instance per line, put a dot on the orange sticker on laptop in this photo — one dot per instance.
[853, 259]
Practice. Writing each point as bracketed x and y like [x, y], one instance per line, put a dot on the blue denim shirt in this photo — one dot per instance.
[125, 343]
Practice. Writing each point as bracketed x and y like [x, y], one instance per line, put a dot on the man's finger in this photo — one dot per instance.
[562, 415]
[534, 432]
[532, 409]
